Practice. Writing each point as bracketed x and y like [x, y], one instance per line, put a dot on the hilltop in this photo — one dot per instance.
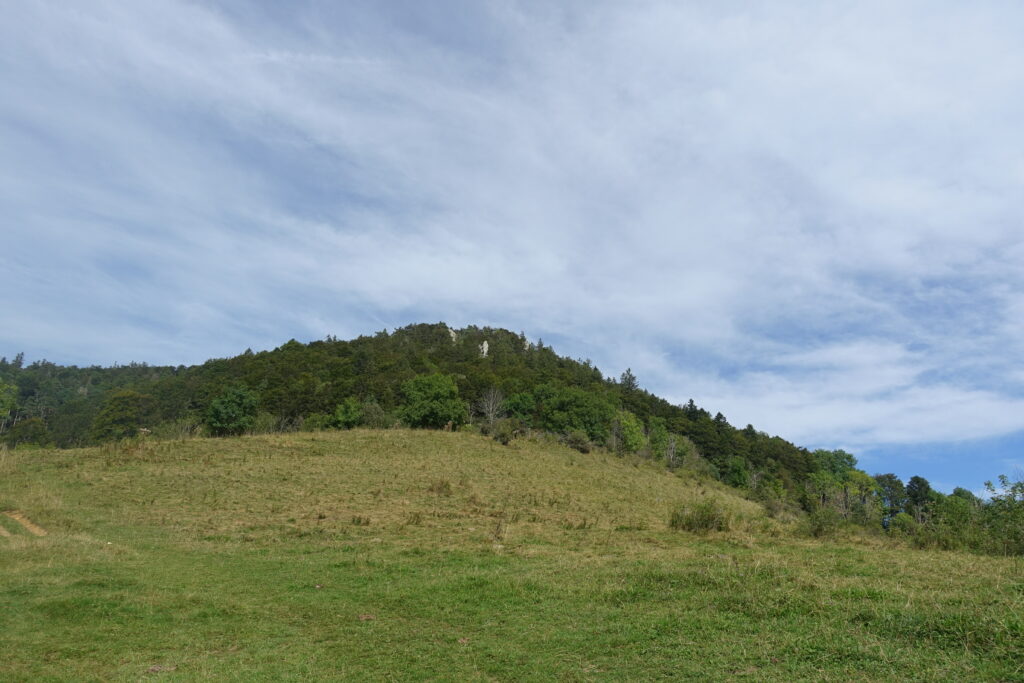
[492, 382]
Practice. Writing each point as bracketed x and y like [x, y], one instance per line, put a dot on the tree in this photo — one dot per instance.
[30, 431]
[348, 413]
[658, 437]
[233, 412]
[491, 406]
[837, 462]
[8, 399]
[893, 494]
[918, 496]
[735, 472]
[628, 432]
[1004, 515]
[122, 414]
[628, 380]
[432, 401]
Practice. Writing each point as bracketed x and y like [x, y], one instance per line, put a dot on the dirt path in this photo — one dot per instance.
[21, 519]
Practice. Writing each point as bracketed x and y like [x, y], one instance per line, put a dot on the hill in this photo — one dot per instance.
[405, 555]
[491, 381]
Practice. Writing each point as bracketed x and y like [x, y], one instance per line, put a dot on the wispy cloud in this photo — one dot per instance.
[807, 216]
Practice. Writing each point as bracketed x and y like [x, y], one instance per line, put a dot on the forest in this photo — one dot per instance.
[502, 385]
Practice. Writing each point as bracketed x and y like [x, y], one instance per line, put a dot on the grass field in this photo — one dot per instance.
[402, 555]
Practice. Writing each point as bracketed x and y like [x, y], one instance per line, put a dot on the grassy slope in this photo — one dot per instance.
[252, 558]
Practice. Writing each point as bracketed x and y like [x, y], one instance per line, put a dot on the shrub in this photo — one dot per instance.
[577, 439]
[318, 422]
[629, 432]
[432, 401]
[902, 524]
[32, 432]
[232, 413]
[122, 414]
[701, 517]
[348, 413]
[824, 522]
[505, 430]
[374, 416]
[265, 423]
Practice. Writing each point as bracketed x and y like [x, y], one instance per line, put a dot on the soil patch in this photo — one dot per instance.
[30, 527]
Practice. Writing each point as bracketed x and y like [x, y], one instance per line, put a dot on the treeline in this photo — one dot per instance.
[299, 386]
[490, 380]
[839, 494]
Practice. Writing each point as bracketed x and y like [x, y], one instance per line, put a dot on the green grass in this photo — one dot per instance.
[423, 555]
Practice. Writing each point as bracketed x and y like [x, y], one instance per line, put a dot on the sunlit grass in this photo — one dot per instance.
[412, 555]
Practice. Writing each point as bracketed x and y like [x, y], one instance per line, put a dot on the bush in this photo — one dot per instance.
[505, 430]
[30, 432]
[265, 423]
[433, 401]
[902, 524]
[122, 414]
[629, 432]
[824, 522]
[232, 413]
[348, 414]
[317, 422]
[701, 517]
[374, 416]
[577, 439]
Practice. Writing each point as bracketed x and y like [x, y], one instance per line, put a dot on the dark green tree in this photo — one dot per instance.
[433, 401]
[8, 400]
[919, 495]
[122, 414]
[233, 412]
[31, 431]
[893, 494]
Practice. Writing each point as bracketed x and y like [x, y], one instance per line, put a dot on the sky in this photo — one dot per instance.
[808, 216]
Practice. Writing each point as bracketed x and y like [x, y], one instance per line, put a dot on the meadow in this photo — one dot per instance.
[421, 555]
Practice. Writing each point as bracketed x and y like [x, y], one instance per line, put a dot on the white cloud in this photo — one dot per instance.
[806, 217]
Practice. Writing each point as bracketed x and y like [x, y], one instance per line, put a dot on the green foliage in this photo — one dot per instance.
[521, 406]
[577, 439]
[824, 522]
[122, 414]
[304, 385]
[233, 412]
[32, 432]
[433, 401]
[505, 430]
[918, 492]
[893, 494]
[837, 462]
[658, 437]
[374, 416]
[318, 422]
[902, 524]
[348, 413]
[563, 409]
[735, 472]
[1004, 516]
[8, 398]
[629, 432]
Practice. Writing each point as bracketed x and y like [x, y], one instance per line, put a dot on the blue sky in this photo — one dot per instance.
[806, 215]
